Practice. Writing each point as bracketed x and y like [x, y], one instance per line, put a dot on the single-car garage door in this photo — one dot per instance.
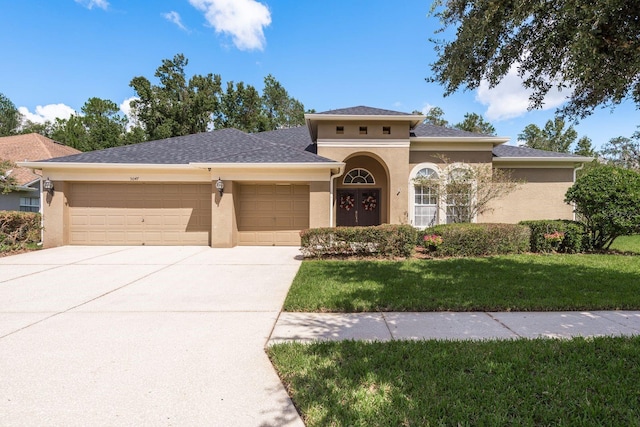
[272, 214]
[139, 214]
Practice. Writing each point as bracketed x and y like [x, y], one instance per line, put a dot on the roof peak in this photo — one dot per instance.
[363, 110]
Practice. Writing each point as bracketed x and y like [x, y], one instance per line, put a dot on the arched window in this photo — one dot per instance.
[358, 176]
[426, 198]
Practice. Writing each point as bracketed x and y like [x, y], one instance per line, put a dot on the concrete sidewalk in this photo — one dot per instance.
[308, 327]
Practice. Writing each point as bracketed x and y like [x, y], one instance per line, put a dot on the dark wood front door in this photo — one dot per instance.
[358, 207]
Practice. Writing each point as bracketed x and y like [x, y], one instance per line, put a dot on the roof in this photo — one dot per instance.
[30, 147]
[218, 146]
[424, 130]
[511, 151]
[362, 110]
[297, 137]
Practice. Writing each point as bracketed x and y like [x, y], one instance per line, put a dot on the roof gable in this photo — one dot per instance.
[362, 110]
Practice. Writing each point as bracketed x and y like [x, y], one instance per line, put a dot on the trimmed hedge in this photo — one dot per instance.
[17, 229]
[462, 240]
[388, 240]
[572, 238]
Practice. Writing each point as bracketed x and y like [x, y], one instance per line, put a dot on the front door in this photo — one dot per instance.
[358, 207]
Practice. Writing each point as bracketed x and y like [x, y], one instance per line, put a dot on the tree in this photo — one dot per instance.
[552, 138]
[469, 189]
[7, 181]
[10, 117]
[475, 123]
[104, 124]
[584, 147]
[624, 152]
[240, 108]
[606, 199]
[589, 48]
[280, 110]
[435, 117]
[176, 107]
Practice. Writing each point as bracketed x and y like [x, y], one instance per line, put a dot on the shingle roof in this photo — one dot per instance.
[364, 111]
[30, 147]
[218, 146]
[505, 151]
[297, 137]
[432, 131]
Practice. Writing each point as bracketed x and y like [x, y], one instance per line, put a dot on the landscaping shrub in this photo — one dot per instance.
[557, 236]
[462, 240]
[18, 229]
[386, 240]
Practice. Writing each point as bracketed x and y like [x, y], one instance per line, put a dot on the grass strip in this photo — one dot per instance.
[503, 283]
[459, 383]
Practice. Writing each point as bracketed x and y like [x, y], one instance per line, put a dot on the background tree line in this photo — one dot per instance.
[176, 106]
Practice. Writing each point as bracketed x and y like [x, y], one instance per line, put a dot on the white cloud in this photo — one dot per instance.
[125, 108]
[510, 98]
[47, 113]
[174, 17]
[243, 20]
[90, 4]
[426, 107]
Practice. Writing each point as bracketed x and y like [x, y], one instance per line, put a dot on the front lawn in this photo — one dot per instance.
[501, 283]
[627, 244]
[406, 383]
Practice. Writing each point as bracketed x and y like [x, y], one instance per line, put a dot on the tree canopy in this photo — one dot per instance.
[553, 137]
[10, 117]
[7, 182]
[624, 152]
[591, 49]
[475, 123]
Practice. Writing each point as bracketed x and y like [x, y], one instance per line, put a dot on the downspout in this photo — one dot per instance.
[331, 180]
[575, 170]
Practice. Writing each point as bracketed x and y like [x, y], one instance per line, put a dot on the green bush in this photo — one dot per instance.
[464, 240]
[607, 200]
[572, 236]
[384, 240]
[18, 229]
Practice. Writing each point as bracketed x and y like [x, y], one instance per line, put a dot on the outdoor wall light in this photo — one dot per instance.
[48, 186]
[220, 186]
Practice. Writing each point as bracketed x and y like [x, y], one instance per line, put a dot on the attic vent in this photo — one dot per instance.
[358, 176]
[386, 130]
[363, 130]
[339, 130]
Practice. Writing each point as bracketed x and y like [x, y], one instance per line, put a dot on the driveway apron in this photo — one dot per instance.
[162, 336]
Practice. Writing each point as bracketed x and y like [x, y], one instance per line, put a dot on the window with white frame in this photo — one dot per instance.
[459, 194]
[426, 198]
[358, 176]
[29, 204]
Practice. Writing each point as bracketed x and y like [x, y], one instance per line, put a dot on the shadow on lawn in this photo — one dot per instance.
[518, 283]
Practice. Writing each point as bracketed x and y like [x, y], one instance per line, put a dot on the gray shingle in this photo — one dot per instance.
[219, 146]
[431, 131]
[505, 151]
[297, 137]
[362, 110]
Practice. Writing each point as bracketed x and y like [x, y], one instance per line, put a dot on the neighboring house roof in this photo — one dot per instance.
[362, 110]
[218, 146]
[30, 147]
[511, 151]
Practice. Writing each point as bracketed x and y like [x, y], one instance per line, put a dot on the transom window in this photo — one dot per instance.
[426, 199]
[358, 176]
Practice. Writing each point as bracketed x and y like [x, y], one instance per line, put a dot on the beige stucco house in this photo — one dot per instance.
[353, 166]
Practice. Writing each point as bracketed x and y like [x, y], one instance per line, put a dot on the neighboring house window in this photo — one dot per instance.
[29, 204]
[426, 200]
[459, 196]
[358, 176]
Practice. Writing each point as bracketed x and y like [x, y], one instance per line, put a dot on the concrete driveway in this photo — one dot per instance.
[157, 336]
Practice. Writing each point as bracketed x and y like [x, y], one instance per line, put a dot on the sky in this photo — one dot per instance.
[327, 54]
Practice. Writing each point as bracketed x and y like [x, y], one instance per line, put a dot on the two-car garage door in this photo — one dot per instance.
[180, 214]
[139, 214]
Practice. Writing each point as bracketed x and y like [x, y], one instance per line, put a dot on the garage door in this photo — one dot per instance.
[270, 214]
[139, 214]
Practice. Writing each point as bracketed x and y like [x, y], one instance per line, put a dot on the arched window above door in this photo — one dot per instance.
[358, 176]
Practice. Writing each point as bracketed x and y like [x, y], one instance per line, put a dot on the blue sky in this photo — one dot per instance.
[328, 54]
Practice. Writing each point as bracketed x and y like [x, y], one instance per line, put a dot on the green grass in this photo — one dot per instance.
[432, 383]
[515, 282]
[627, 244]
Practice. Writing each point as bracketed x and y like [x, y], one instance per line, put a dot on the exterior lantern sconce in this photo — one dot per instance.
[48, 186]
[220, 186]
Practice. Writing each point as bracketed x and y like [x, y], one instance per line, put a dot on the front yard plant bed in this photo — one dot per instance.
[493, 383]
[526, 282]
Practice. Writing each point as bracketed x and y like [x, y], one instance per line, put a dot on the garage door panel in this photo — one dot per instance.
[135, 214]
[270, 214]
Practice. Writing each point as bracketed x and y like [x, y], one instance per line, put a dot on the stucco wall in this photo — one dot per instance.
[55, 215]
[540, 197]
[417, 157]
[327, 130]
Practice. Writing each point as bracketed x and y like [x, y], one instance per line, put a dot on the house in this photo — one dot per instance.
[27, 147]
[353, 166]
